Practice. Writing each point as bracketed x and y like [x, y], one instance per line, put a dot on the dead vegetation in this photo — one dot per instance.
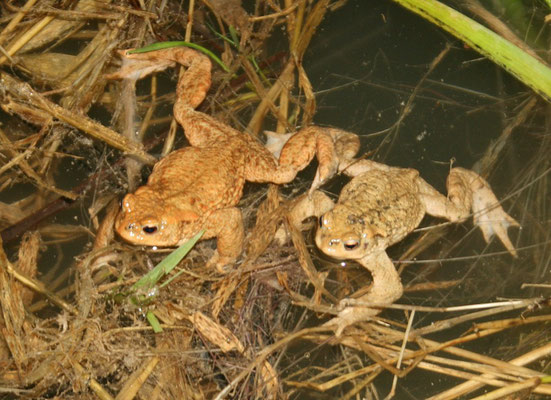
[257, 332]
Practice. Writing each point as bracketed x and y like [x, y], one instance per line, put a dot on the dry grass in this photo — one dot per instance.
[73, 333]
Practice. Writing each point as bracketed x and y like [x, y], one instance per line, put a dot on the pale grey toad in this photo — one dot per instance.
[379, 207]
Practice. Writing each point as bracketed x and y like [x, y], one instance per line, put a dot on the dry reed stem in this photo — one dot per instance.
[526, 387]
[217, 334]
[499, 26]
[261, 356]
[316, 278]
[470, 386]
[268, 101]
[35, 285]
[137, 379]
[13, 328]
[223, 338]
[491, 155]
[98, 389]
[493, 309]
[288, 10]
[16, 19]
[373, 370]
[24, 92]
[385, 355]
[23, 40]
[20, 161]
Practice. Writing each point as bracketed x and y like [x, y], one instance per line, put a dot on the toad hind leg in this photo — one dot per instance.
[469, 191]
[332, 147]
[193, 86]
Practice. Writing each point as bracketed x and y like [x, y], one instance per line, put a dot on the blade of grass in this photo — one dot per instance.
[166, 45]
[153, 321]
[168, 264]
[149, 280]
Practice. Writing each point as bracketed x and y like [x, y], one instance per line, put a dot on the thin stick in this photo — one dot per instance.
[26, 37]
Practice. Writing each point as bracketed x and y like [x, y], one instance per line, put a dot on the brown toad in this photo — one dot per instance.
[197, 187]
[379, 207]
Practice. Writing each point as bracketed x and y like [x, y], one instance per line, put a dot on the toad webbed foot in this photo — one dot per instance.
[488, 214]
[469, 192]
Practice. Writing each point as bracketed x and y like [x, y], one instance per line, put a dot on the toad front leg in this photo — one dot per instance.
[469, 191]
[227, 226]
[385, 290]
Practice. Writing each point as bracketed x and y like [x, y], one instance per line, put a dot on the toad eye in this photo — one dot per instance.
[351, 244]
[321, 221]
[149, 229]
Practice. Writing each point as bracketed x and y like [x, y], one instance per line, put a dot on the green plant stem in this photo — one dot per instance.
[528, 69]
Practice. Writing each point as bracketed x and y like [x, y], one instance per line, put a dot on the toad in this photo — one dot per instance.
[379, 207]
[198, 187]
